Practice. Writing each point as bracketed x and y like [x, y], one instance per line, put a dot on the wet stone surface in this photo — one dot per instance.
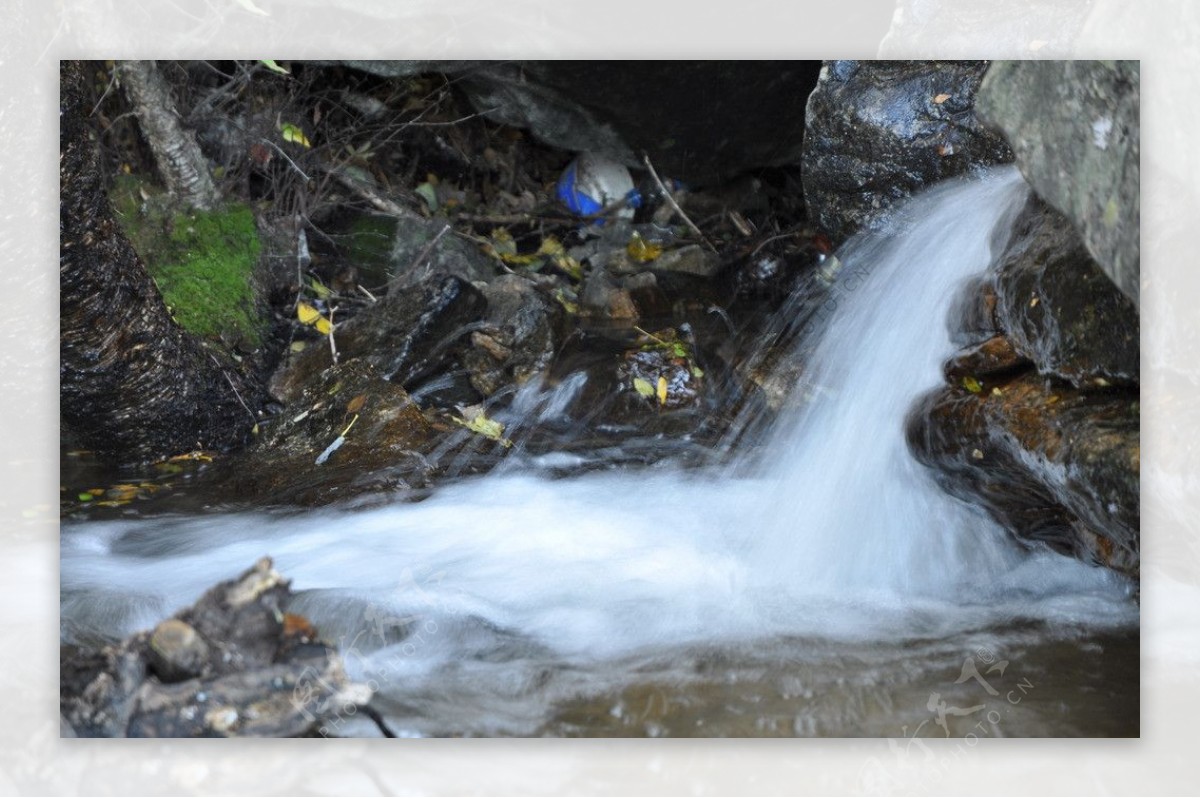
[233, 664]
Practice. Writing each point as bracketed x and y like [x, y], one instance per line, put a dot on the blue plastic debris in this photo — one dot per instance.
[592, 182]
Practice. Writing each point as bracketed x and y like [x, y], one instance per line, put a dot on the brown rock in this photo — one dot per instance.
[177, 651]
[1052, 463]
[995, 356]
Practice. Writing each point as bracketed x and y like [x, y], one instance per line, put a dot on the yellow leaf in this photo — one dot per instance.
[294, 134]
[480, 424]
[662, 390]
[941, 98]
[503, 243]
[972, 384]
[550, 246]
[307, 313]
[641, 250]
[643, 387]
[318, 288]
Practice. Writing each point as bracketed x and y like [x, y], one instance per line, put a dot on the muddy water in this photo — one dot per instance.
[819, 585]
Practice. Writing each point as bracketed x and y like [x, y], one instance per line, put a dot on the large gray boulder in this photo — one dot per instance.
[1074, 126]
[880, 130]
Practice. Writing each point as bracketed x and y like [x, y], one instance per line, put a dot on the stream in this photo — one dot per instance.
[817, 582]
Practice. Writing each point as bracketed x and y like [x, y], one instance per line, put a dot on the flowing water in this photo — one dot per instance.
[820, 584]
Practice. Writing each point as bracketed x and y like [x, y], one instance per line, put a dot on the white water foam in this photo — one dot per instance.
[840, 534]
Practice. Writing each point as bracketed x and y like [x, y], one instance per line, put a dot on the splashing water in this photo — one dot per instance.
[835, 534]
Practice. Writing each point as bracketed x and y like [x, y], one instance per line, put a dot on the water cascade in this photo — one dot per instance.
[836, 533]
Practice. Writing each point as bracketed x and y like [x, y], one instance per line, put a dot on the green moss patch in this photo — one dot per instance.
[202, 261]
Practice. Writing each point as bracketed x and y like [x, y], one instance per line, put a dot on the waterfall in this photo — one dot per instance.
[837, 533]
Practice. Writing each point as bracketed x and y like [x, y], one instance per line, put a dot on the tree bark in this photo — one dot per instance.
[181, 164]
[134, 386]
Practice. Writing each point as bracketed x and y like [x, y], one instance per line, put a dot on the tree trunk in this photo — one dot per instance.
[181, 165]
[134, 386]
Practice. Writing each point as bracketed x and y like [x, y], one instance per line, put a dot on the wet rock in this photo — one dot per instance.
[1074, 127]
[1053, 464]
[995, 356]
[691, 259]
[250, 669]
[770, 269]
[700, 121]
[177, 651]
[879, 130]
[424, 249]
[1059, 308]
[520, 337]
[383, 450]
[409, 335]
[603, 297]
[973, 316]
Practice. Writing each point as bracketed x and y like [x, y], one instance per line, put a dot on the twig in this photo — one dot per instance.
[514, 218]
[332, 344]
[370, 296]
[275, 146]
[424, 253]
[674, 205]
[225, 374]
[111, 82]
[377, 719]
[381, 203]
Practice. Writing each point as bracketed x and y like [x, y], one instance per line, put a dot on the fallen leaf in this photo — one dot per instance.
[270, 64]
[941, 98]
[972, 384]
[318, 288]
[356, 404]
[477, 421]
[643, 387]
[427, 192]
[312, 317]
[662, 390]
[294, 134]
[641, 250]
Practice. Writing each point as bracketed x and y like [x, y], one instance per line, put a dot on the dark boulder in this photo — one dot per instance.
[879, 130]
[519, 338]
[1052, 464]
[1059, 308]
[1074, 127]
[384, 438]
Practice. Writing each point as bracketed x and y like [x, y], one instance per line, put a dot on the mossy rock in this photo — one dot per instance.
[202, 261]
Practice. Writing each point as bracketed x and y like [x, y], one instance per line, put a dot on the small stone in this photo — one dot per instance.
[691, 259]
[977, 454]
[221, 719]
[177, 651]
